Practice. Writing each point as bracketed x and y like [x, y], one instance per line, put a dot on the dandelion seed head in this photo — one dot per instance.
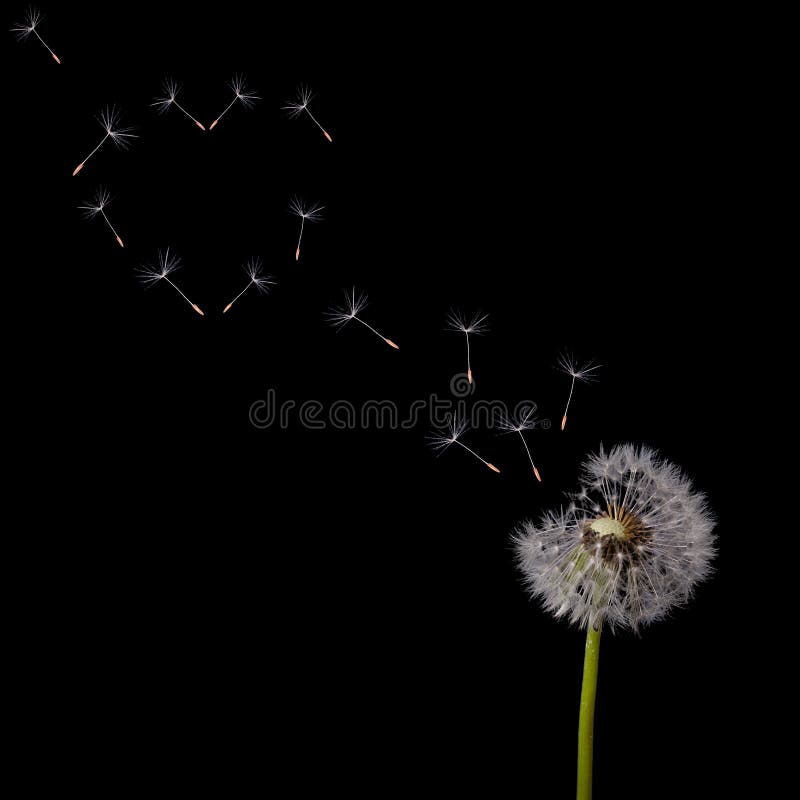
[440, 439]
[91, 208]
[354, 304]
[583, 372]
[110, 118]
[22, 30]
[296, 107]
[239, 86]
[166, 264]
[254, 270]
[457, 321]
[631, 547]
[312, 213]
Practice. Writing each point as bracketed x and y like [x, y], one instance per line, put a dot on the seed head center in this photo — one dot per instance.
[606, 526]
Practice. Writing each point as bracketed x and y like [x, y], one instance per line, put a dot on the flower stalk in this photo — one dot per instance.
[586, 721]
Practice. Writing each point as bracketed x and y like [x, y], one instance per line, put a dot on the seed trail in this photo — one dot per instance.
[247, 99]
[568, 365]
[24, 29]
[456, 321]
[296, 107]
[167, 264]
[253, 268]
[109, 119]
[312, 213]
[339, 316]
[440, 440]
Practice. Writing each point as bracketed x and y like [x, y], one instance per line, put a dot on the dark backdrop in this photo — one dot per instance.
[342, 606]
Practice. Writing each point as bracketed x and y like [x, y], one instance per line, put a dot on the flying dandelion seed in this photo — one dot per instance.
[167, 264]
[109, 120]
[306, 213]
[163, 104]
[262, 282]
[297, 107]
[583, 373]
[354, 304]
[98, 206]
[440, 440]
[456, 321]
[240, 93]
[24, 29]
[525, 422]
[631, 546]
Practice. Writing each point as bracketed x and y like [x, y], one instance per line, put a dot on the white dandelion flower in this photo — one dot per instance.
[239, 88]
[523, 422]
[98, 206]
[109, 120]
[354, 304]
[23, 30]
[631, 546]
[456, 321]
[311, 213]
[167, 100]
[294, 108]
[584, 373]
[440, 440]
[166, 264]
[262, 282]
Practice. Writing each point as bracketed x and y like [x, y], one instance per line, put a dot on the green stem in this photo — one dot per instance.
[586, 723]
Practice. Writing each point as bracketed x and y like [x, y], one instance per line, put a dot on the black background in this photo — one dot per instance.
[341, 606]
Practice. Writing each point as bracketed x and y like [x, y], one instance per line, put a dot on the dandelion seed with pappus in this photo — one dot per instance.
[240, 94]
[98, 206]
[23, 30]
[311, 213]
[524, 422]
[109, 120]
[151, 274]
[354, 304]
[631, 546]
[164, 103]
[456, 321]
[295, 108]
[440, 440]
[584, 373]
[262, 282]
